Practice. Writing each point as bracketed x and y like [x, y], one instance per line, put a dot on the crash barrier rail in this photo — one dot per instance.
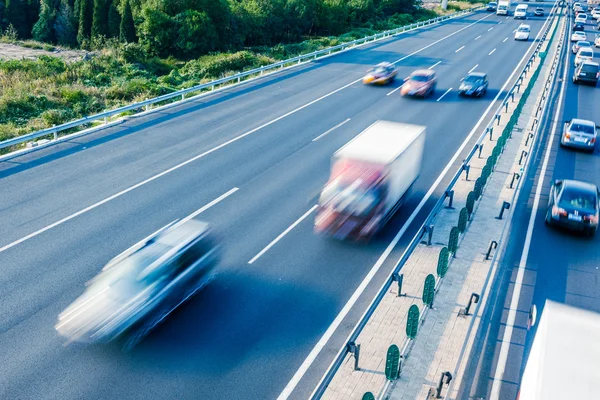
[540, 110]
[236, 79]
[427, 227]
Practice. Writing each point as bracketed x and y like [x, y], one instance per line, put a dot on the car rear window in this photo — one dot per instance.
[523, 29]
[578, 199]
[582, 128]
[586, 53]
[589, 68]
[420, 78]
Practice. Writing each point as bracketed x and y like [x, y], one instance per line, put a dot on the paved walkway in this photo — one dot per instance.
[443, 333]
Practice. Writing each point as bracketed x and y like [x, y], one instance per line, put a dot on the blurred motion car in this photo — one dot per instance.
[522, 32]
[597, 41]
[474, 84]
[369, 179]
[573, 204]
[580, 44]
[142, 286]
[421, 83]
[578, 28]
[491, 6]
[578, 36]
[579, 134]
[587, 72]
[538, 12]
[381, 74]
[584, 54]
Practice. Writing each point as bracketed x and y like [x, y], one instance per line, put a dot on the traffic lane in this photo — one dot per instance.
[171, 136]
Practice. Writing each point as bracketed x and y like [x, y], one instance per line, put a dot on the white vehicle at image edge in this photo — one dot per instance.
[521, 11]
[578, 36]
[584, 54]
[523, 32]
[597, 41]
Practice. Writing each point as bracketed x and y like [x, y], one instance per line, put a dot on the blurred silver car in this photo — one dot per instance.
[580, 134]
[140, 287]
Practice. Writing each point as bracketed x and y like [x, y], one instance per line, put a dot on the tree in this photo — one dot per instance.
[3, 20]
[64, 28]
[100, 18]
[85, 20]
[127, 27]
[16, 14]
[114, 20]
[194, 34]
[156, 31]
[43, 30]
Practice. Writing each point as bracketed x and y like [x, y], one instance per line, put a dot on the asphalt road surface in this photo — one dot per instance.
[561, 266]
[68, 209]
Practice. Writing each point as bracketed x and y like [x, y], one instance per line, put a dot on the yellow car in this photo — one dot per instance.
[381, 74]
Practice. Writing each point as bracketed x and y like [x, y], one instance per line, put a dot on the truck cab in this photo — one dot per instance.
[503, 8]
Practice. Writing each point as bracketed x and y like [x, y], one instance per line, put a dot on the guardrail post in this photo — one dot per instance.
[498, 117]
[506, 106]
[147, 105]
[354, 349]
[438, 391]
[428, 229]
[450, 195]
[182, 97]
[512, 96]
[515, 176]
[505, 206]
[530, 136]
[518, 87]
[493, 245]
[523, 154]
[396, 277]
[467, 169]
[55, 133]
[105, 120]
[473, 299]
[480, 148]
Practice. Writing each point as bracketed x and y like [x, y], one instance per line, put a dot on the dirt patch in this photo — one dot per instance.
[16, 52]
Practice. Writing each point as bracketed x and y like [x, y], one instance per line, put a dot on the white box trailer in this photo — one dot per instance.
[564, 362]
[369, 177]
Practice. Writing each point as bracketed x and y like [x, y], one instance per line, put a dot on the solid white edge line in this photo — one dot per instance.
[456, 51]
[516, 295]
[235, 139]
[331, 130]
[435, 65]
[477, 37]
[492, 52]
[445, 93]
[473, 69]
[282, 234]
[289, 388]
[209, 205]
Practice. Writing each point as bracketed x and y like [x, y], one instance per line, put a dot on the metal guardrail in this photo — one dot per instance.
[339, 359]
[237, 78]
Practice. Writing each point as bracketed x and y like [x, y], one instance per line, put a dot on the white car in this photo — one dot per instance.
[521, 11]
[597, 41]
[576, 4]
[581, 18]
[596, 13]
[577, 36]
[522, 32]
[579, 45]
[584, 54]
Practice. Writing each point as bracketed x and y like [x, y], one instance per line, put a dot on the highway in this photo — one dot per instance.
[252, 159]
[560, 266]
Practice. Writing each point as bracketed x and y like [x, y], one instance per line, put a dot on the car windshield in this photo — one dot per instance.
[539, 9]
[582, 128]
[419, 78]
[523, 29]
[473, 79]
[349, 198]
[581, 200]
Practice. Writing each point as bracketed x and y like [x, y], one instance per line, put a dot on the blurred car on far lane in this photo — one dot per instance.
[381, 74]
[580, 44]
[573, 204]
[522, 32]
[492, 6]
[421, 83]
[597, 41]
[474, 84]
[579, 134]
[578, 36]
[138, 289]
[587, 72]
[584, 54]
[581, 18]
[578, 28]
[539, 12]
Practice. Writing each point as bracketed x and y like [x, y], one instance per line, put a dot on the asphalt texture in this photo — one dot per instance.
[67, 209]
[562, 266]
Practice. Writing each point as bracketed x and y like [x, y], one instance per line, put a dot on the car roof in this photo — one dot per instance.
[580, 185]
[477, 74]
[384, 64]
[424, 72]
[524, 26]
[582, 122]
[586, 50]
[588, 62]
